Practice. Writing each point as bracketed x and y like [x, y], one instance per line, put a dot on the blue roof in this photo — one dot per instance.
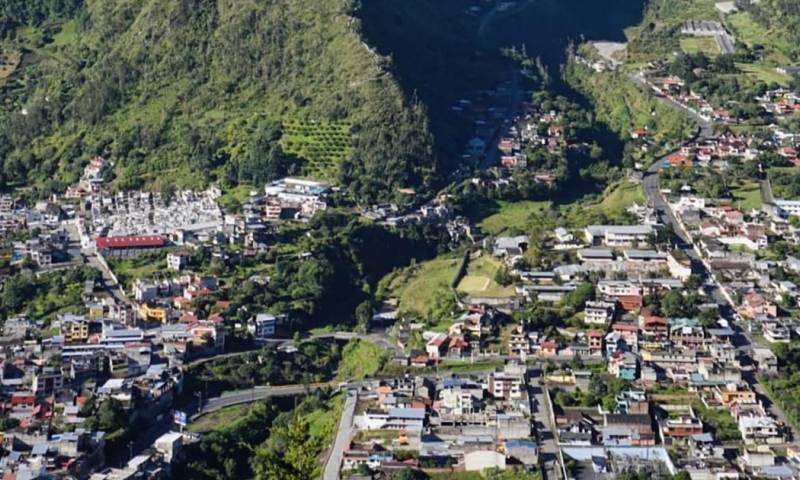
[520, 443]
[39, 449]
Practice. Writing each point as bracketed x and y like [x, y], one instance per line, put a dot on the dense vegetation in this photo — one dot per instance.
[269, 442]
[332, 278]
[623, 107]
[778, 15]
[196, 91]
[19, 13]
[783, 389]
[45, 295]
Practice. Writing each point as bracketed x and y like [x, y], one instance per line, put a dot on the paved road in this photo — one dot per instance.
[343, 435]
[544, 430]
[249, 395]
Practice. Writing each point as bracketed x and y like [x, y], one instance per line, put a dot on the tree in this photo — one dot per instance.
[409, 474]
[297, 461]
[682, 475]
[502, 276]
[578, 297]
[677, 303]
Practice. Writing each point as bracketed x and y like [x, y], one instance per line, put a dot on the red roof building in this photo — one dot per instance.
[680, 161]
[131, 241]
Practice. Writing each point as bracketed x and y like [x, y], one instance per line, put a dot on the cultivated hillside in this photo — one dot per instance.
[197, 91]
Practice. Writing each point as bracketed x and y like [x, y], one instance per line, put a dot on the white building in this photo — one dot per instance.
[599, 313]
[788, 207]
[262, 327]
[619, 235]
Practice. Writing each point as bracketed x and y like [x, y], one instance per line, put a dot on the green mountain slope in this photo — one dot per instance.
[197, 91]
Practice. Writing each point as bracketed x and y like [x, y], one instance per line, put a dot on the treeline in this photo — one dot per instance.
[201, 103]
[19, 13]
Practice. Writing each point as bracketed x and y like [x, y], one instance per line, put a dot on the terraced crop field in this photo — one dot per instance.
[323, 145]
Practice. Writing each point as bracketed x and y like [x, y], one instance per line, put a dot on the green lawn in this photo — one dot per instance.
[618, 197]
[748, 196]
[419, 286]
[694, 45]
[222, 417]
[513, 217]
[479, 281]
[360, 358]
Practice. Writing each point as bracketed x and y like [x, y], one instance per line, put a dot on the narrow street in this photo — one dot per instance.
[548, 450]
[343, 434]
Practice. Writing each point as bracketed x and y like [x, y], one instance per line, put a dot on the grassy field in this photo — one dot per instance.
[619, 196]
[146, 266]
[67, 35]
[360, 358]
[513, 217]
[418, 287]
[479, 280]
[749, 32]
[322, 423]
[322, 145]
[694, 45]
[764, 73]
[222, 417]
[748, 196]
[9, 61]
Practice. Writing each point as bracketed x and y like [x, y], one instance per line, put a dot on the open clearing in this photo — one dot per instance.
[479, 280]
[696, 45]
[418, 287]
[9, 61]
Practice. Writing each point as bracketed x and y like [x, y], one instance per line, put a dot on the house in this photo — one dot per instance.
[680, 161]
[595, 342]
[759, 428]
[177, 260]
[548, 348]
[510, 248]
[618, 235]
[775, 332]
[735, 394]
[627, 430]
[624, 365]
[754, 304]
[599, 312]
[123, 245]
[262, 327]
[436, 346]
[766, 360]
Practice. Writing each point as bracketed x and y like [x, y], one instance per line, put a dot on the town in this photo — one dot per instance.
[521, 321]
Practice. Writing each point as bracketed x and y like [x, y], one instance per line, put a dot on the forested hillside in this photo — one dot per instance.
[197, 91]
